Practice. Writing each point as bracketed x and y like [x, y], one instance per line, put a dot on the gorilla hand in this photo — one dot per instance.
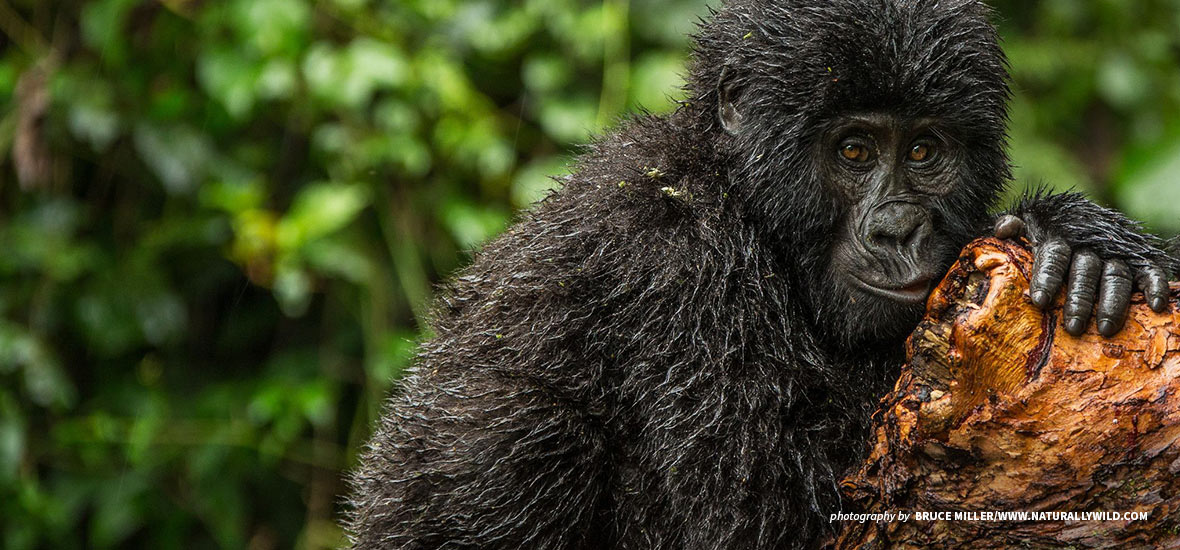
[1093, 281]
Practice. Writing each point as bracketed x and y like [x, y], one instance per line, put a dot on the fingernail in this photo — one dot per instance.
[1040, 298]
[1106, 328]
[1074, 326]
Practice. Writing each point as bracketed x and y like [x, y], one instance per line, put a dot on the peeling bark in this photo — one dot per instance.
[999, 409]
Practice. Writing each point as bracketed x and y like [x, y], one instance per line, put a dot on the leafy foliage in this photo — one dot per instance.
[221, 221]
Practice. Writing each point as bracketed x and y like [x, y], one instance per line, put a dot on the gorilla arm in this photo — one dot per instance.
[493, 439]
[474, 460]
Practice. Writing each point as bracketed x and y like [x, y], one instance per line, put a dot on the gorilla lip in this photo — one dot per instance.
[913, 292]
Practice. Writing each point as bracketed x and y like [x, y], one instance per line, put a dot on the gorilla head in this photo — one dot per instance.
[865, 137]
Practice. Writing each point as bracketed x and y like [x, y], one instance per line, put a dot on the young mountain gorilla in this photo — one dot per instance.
[681, 347]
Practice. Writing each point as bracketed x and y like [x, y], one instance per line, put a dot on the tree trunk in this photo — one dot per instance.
[1000, 410]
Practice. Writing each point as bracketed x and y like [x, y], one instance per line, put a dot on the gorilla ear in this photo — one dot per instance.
[727, 95]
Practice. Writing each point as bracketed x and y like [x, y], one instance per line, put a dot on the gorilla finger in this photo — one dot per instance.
[1052, 261]
[1009, 227]
[1153, 281]
[1084, 274]
[1114, 298]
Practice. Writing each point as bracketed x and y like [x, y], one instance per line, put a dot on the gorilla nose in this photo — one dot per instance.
[896, 227]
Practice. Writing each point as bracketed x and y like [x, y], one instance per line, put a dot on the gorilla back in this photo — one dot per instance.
[681, 347]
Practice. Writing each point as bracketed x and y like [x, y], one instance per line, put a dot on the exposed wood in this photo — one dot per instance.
[1000, 410]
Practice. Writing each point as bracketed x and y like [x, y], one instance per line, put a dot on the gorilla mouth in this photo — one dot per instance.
[913, 292]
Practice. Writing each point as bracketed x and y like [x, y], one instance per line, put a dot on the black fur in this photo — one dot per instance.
[1088, 225]
[655, 357]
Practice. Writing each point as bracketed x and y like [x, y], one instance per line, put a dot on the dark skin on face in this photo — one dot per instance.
[889, 170]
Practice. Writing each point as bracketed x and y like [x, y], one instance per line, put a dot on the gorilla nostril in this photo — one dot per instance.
[897, 225]
[918, 235]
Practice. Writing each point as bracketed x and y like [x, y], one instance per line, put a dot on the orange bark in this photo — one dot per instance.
[1000, 410]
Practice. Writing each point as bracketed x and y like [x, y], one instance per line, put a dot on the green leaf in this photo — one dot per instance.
[232, 79]
[45, 382]
[1148, 190]
[1121, 81]
[178, 155]
[162, 316]
[277, 79]
[1038, 161]
[107, 323]
[349, 77]
[319, 210]
[117, 514]
[536, 180]
[340, 257]
[545, 72]
[233, 197]
[273, 27]
[292, 288]
[92, 117]
[103, 25]
[656, 82]
[315, 401]
[569, 120]
[12, 438]
[472, 225]
[375, 65]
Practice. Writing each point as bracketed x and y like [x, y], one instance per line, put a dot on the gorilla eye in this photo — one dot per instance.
[854, 152]
[921, 152]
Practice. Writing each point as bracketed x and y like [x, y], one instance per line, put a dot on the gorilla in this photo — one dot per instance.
[682, 347]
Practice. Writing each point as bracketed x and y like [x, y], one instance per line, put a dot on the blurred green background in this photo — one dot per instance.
[220, 221]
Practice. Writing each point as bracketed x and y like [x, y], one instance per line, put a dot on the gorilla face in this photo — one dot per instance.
[891, 176]
[867, 142]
